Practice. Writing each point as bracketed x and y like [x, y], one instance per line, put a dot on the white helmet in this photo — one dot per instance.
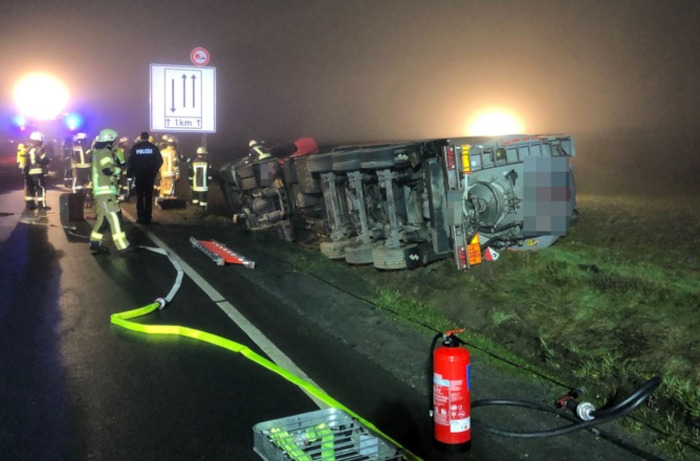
[79, 136]
[36, 136]
[202, 151]
[107, 135]
[252, 143]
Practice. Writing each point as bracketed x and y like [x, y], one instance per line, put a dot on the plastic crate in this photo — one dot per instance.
[329, 434]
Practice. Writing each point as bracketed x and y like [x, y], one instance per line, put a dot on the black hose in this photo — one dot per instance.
[603, 415]
[630, 403]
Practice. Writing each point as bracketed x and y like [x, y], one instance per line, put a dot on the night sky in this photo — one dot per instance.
[622, 76]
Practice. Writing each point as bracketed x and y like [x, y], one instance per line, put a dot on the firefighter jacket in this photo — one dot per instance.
[37, 160]
[119, 156]
[171, 163]
[258, 152]
[105, 173]
[144, 159]
[200, 175]
[80, 157]
[21, 156]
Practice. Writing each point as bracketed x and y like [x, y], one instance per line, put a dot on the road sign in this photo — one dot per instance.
[199, 56]
[183, 98]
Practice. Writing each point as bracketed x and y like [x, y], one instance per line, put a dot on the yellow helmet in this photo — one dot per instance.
[107, 135]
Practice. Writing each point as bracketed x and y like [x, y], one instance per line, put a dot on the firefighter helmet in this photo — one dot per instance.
[107, 135]
[36, 136]
[202, 151]
[79, 137]
[252, 143]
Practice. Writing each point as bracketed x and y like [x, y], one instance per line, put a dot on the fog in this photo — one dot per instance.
[621, 76]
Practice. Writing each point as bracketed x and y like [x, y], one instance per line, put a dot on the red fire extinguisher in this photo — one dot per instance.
[451, 406]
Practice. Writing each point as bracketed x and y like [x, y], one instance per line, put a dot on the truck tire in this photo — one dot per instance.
[334, 249]
[390, 258]
[320, 163]
[359, 254]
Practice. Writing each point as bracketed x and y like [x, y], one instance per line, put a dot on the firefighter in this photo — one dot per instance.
[34, 172]
[81, 166]
[124, 184]
[105, 174]
[163, 143]
[66, 151]
[144, 161]
[21, 164]
[199, 176]
[169, 170]
[257, 151]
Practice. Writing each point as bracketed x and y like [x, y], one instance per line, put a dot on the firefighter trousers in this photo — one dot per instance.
[107, 209]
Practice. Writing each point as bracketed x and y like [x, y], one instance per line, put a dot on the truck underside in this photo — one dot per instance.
[403, 205]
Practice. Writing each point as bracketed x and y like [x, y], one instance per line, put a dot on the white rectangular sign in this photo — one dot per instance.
[183, 98]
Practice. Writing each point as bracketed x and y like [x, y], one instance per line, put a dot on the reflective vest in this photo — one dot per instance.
[81, 158]
[36, 160]
[200, 176]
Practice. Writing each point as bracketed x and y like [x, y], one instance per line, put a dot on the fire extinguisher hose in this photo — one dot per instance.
[602, 416]
[124, 320]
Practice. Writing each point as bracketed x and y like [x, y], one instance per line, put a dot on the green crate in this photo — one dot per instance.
[321, 435]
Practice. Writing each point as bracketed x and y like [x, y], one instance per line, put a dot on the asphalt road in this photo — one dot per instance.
[72, 386]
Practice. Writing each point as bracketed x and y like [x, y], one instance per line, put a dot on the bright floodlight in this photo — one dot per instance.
[40, 96]
[494, 122]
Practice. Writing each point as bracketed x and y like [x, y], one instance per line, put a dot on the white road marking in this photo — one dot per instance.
[275, 353]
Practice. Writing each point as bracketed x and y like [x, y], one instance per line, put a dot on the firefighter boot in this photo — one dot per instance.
[98, 248]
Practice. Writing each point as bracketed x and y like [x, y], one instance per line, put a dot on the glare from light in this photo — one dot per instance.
[40, 96]
[494, 122]
[73, 121]
[19, 121]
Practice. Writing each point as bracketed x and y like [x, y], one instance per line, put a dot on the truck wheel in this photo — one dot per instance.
[390, 258]
[334, 249]
[359, 254]
[319, 163]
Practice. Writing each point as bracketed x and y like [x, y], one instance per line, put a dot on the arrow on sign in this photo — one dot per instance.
[172, 92]
[194, 81]
[184, 92]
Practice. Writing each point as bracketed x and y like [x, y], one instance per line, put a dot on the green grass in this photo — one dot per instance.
[611, 305]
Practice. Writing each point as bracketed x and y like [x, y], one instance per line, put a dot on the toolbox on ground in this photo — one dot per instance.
[329, 434]
[71, 207]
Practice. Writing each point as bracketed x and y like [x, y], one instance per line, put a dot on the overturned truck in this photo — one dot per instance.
[403, 205]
